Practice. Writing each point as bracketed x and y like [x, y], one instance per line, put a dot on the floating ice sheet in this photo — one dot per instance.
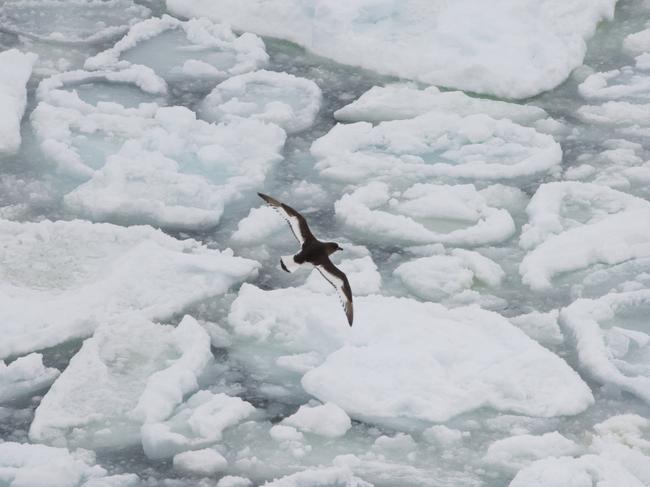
[71, 21]
[424, 213]
[435, 144]
[612, 337]
[439, 371]
[84, 274]
[129, 373]
[281, 98]
[190, 54]
[575, 225]
[15, 70]
[458, 44]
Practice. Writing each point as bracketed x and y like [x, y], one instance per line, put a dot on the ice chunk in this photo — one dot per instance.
[619, 84]
[200, 462]
[574, 225]
[632, 118]
[99, 273]
[424, 213]
[326, 420]
[260, 224]
[542, 327]
[234, 481]
[25, 465]
[403, 101]
[613, 339]
[638, 43]
[457, 44]
[280, 98]
[442, 435]
[320, 477]
[626, 439]
[127, 374]
[15, 70]
[71, 21]
[440, 276]
[471, 358]
[196, 424]
[435, 144]
[24, 376]
[520, 451]
[586, 471]
[185, 53]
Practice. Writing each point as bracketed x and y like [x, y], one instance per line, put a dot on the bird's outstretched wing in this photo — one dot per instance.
[340, 282]
[296, 221]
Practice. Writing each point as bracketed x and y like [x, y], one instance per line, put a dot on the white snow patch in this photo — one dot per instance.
[520, 451]
[15, 71]
[325, 420]
[99, 273]
[514, 49]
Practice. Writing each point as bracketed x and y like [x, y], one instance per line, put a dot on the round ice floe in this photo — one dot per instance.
[197, 50]
[280, 98]
[129, 373]
[197, 423]
[320, 477]
[435, 144]
[612, 338]
[29, 465]
[440, 276]
[392, 374]
[98, 273]
[585, 471]
[24, 376]
[633, 117]
[129, 87]
[424, 213]
[403, 101]
[72, 21]
[575, 225]
[15, 70]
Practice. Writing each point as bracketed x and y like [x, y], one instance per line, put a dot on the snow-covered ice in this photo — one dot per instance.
[24, 376]
[410, 364]
[517, 452]
[280, 98]
[613, 339]
[326, 420]
[436, 144]
[422, 214]
[194, 52]
[71, 21]
[127, 374]
[574, 225]
[15, 71]
[197, 423]
[84, 274]
[514, 50]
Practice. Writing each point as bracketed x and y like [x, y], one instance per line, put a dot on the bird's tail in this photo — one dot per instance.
[288, 264]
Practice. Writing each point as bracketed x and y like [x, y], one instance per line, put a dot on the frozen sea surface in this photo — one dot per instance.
[498, 251]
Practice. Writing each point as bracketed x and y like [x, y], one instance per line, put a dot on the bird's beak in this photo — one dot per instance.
[340, 248]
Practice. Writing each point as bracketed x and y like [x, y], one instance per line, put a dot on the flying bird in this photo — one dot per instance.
[313, 252]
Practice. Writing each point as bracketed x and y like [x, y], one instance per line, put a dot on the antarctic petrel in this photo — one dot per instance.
[313, 252]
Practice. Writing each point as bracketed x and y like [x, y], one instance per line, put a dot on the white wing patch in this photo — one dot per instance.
[338, 284]
[293, 222]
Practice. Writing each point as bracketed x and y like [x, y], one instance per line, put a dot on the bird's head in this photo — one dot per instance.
[333, 247]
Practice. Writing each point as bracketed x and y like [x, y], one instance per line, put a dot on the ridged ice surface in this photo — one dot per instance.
[498, 250]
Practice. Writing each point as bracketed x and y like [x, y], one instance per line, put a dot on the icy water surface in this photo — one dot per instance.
[474, 393]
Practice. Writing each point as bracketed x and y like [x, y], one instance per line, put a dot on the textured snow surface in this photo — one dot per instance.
[515, 49]
[129, 373]
[15, 70]
[451, 356]
[87, 274]
[436, 144]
